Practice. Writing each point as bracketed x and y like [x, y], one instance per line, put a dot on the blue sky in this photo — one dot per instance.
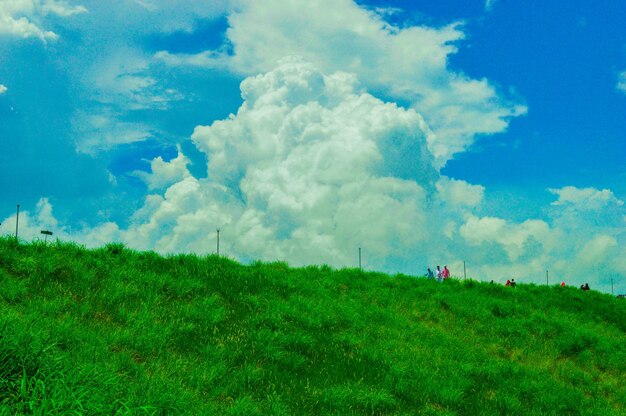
[427, 132]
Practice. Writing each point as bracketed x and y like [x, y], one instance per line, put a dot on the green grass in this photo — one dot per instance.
[113, 331]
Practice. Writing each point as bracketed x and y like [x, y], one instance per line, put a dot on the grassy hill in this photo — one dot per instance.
[113, 331]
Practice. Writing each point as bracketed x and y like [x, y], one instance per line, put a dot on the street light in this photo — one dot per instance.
[46, 233]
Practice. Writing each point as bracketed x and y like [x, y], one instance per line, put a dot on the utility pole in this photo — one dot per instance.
[360, 268]
[218, 242]
[17, 222]
[547, 278]
[464, 272]
[612, 286]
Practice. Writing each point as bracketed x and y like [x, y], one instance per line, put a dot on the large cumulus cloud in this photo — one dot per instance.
[408, 63]
[310, 168]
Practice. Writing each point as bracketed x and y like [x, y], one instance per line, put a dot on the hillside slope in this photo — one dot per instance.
[120, 332]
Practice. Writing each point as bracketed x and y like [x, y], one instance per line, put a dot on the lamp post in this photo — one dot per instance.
[46, 233]
[218, 242]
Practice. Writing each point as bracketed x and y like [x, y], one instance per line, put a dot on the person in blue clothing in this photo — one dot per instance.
[430, 274]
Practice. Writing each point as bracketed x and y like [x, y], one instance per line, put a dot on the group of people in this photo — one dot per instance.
[439, 274]
[444, 274]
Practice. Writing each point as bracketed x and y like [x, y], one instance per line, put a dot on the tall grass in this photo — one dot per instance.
[113, 331]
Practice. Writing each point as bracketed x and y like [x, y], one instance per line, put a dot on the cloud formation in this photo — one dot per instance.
[489, 4]
[163, 174]
[621, 82]
[24, 18]
[312, 167]
[102, 130]
[309, 168]
[407, 63]
[116, 77]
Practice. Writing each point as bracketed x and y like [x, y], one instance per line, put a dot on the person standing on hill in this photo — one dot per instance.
[430, 274]
[445, 273]
[439, 274]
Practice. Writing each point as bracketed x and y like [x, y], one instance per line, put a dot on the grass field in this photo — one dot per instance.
[113, 331]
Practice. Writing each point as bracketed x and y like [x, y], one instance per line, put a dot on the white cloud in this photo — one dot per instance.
[585, 198]
[621, 82]
[24, 18]
[3, 89]
[95, 132]
[458, 193]
[61, 8]
[164, 174]
[586, 208]
[23, 28]
[510, 237]
[122, 80]
[309, 158]
[410, 63]
[132, 19]
[489, 4]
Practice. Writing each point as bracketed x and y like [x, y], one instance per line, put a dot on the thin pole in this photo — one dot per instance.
[218, 242]
[612, 287]
[17, 221]
[547, 278]
[360, 268]
[464, 273]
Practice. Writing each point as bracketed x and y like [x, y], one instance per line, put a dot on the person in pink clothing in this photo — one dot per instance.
[445, 273]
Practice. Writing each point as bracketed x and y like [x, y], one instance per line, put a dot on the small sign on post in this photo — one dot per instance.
[46, 233]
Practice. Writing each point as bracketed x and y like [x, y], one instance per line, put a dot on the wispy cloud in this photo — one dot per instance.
[621, 82]
[489, 4]
[98, 131]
